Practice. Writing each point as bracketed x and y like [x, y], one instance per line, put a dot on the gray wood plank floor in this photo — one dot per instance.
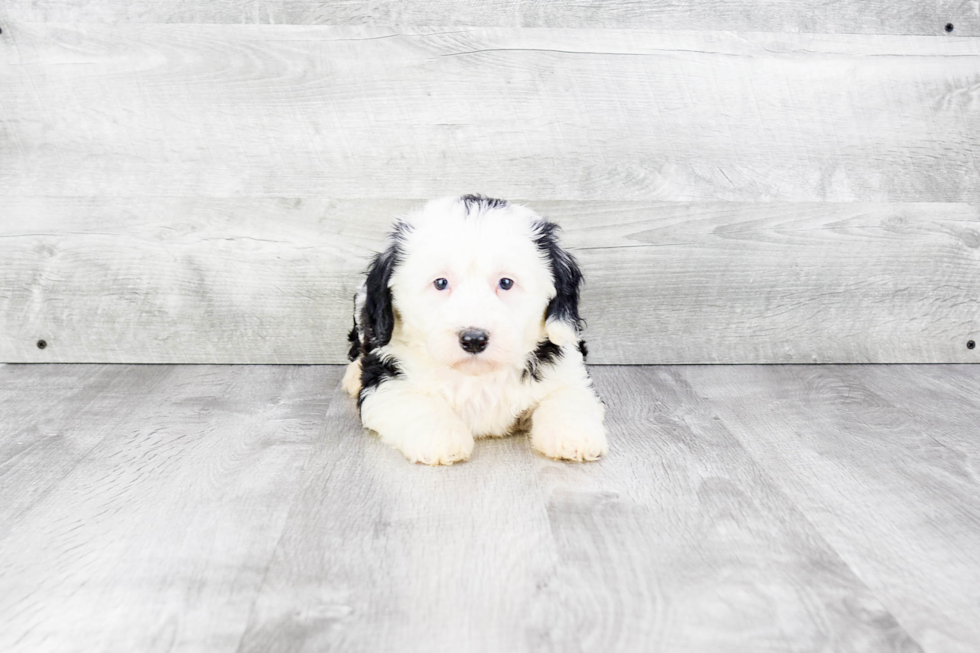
[741, 508]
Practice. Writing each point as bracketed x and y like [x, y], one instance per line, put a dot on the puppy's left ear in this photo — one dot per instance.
[562, 321]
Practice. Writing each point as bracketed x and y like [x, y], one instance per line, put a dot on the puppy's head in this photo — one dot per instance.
[474, 283]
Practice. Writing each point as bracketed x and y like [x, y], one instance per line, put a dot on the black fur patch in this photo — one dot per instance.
[583, 349]
[566, 274]
[546, 353]
[399, 231]
[377, 318]
[481, 203]
[355, 344]
[374, 372]
[378, 315]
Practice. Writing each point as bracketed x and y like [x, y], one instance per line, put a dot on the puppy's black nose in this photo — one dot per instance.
[474, 340]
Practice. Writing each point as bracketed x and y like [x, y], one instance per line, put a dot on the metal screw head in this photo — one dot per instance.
[970, 344]
[949, 27]
[41, 344]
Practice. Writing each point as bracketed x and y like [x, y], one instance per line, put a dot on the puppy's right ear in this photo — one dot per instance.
[378, 314]
[562, 321]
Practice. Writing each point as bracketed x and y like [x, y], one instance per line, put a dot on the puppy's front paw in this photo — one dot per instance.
[352, 378]
[569, 440]
[437, 444]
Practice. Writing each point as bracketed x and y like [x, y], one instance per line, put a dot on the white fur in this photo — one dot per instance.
[445, 397]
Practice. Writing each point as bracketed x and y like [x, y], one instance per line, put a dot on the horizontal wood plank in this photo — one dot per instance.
[123, 149]
[271, 280]
[827, 16]
[562, 114]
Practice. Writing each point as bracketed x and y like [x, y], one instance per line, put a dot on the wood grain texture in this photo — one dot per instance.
[382, 555]
[52, 419]
[563, 114]
[679, 541]
[158, 537]
[261, 280]
[676, 542]
[888, 477]
[142, 167]
[827, 16]
[740, 509]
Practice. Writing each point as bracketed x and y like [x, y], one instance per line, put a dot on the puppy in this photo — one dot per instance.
[467, 326]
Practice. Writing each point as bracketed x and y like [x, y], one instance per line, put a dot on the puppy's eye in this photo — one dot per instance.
[441, 284]
[506, 284]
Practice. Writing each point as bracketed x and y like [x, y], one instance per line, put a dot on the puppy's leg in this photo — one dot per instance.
[421, 426]
[567, 424]
[352, 378]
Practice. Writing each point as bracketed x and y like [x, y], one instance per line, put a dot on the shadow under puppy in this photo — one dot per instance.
[467, 326]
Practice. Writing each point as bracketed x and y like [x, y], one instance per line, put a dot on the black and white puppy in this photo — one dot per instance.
[467, 326]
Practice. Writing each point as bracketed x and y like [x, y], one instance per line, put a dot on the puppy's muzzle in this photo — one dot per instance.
[474, 340]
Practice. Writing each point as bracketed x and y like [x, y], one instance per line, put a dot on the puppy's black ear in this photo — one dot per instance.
[562, 321]
[377, 314]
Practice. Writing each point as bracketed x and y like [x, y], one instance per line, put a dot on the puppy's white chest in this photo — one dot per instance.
[488, 404]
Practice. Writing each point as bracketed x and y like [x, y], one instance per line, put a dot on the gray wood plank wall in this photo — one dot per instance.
[819, 16]
[180, 184]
